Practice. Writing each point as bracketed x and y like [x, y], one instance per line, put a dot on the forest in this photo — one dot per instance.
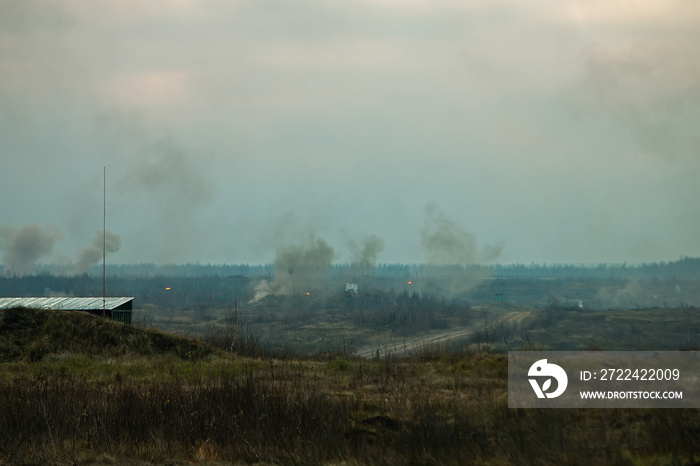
[600, 286]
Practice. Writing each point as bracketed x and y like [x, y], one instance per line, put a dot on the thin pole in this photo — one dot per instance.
[104, 239]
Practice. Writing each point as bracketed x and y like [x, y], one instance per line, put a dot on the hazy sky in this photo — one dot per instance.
[539, 131]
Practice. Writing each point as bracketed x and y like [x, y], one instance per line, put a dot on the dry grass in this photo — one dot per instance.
[31, 334]
[136, 407]
[391, 411]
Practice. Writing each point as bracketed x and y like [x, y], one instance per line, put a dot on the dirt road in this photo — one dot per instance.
[410, 345]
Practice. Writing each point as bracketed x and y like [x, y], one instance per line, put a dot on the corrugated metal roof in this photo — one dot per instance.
[64, 303]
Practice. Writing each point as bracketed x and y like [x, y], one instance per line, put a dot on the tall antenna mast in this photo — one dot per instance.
[104, 239]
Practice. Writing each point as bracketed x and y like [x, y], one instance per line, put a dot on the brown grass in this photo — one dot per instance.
[391, 411]
[137, 407]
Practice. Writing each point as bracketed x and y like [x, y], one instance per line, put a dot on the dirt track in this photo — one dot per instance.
[410, 345]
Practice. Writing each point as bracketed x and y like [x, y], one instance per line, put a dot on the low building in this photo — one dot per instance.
[118, 309]
[351, 287]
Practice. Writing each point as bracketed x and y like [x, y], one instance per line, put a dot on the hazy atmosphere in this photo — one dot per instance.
[349, 131]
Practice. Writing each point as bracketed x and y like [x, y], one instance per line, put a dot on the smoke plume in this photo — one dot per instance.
[315, 252]
[168, 179]
[169, 173]
[92, 254]
[262, 289]
[632, 294]
[451, 253]
[653, 90]
[365, 251]
[444, 241]
[491, 252]
[24, 246]
[302, 265]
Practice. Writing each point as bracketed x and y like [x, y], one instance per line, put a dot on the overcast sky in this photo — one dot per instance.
[542, 131]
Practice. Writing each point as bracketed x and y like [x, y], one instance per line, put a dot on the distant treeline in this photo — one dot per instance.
[604, 286]
[684, 268]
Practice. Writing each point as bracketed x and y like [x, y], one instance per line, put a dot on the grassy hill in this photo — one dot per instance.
[32, 334]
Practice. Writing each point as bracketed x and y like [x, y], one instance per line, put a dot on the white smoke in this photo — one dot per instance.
[262, 289]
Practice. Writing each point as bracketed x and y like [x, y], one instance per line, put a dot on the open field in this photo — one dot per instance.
[624, 330]
[487, 327]
[213, 378]
[171, 400]
[502, 328]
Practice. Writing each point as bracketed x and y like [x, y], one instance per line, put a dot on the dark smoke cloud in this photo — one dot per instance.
[314, 252]
[365, 251]
[168, 172]
[24, 246]
[92, 254]
[491, 252]
[652, 90]
[445, 242]
[303, 265]
[169, 182]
